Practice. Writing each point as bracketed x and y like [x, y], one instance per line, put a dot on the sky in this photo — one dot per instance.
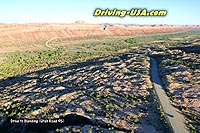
[180, 12]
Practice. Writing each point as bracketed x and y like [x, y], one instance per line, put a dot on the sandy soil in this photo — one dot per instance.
[114, 93]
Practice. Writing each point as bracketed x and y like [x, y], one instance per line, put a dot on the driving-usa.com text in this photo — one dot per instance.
[133, 12]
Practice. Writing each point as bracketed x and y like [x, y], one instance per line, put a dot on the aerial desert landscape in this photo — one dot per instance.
[18, 36]
[99, 78]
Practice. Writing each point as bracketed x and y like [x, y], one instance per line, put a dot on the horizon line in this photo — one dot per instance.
[102, 23]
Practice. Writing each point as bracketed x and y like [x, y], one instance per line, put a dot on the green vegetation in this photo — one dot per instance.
[29, 61]
[14, 109]
[19, 63]
[131, 40]
[103, 96]
[164, 37]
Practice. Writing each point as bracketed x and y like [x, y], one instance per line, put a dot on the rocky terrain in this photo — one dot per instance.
[33, 36]
[180, 72]
[13, 31]
[96, 86]
[112, 94]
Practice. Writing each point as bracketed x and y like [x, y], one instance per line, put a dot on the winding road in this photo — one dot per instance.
[175, 119]
[47, 42]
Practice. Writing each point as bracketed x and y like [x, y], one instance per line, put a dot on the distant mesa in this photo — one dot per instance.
[81, 22]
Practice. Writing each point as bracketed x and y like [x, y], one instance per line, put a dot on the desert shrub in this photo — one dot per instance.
[165, 37]
[131, 40]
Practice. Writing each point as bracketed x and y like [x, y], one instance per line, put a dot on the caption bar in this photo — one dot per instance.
[36, 121]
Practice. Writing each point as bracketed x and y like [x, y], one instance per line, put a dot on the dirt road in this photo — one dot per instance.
[47, 42]
[175, 118]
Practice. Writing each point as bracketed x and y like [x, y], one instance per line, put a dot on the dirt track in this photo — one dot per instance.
[33, 36]
[175, 118]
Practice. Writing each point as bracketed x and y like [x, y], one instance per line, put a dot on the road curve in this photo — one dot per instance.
[175, 119]
[47, 42]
